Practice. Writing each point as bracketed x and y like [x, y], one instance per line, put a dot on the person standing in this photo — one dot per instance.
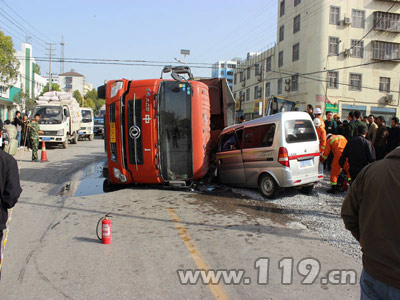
[393, 140]
[370, 212]
[317, 113]
[34, 136]
[19, 124]
[10, 188]
[310, 111]
[355, 124]
[372, 129]
[359, 152]
[25, 140]
[336, 144]
[321, 135]
[330, 125]
[381, 138]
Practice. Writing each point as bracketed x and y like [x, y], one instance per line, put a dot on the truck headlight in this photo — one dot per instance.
[119, 175]
[115, 87]
[60, 132]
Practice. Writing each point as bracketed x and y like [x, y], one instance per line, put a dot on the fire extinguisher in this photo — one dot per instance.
[105, 229]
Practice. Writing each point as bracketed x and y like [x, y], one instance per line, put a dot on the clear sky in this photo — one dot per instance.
[153, 30]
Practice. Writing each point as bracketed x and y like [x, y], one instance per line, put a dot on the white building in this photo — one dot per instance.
[54, 79]
[338, 55]
[71, 81]
[224, 69]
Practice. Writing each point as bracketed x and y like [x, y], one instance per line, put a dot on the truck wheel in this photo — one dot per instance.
[268, 186]
[65, 144]
[75, 139]
[91, 137]
[109, 187]
[307, 189]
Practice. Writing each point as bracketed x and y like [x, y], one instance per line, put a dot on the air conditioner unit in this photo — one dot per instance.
[389, 99]
[346, 21]
[346, 52]
[287, 88]
[287, 81]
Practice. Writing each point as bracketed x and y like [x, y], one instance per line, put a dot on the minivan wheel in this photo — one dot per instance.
[268, 186]
[307, 189]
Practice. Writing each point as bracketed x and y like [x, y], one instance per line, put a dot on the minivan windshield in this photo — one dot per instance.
[298, 131]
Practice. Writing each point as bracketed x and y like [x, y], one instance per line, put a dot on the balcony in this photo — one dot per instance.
[385, 51]
[385, 21]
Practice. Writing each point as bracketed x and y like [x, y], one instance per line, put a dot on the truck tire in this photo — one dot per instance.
[75, 139]
[268, 186]
[65, 144]
[91, 137]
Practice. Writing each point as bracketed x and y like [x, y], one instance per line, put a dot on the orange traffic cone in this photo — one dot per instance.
[44, 154]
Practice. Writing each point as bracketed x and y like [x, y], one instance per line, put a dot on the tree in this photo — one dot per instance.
[28, 104]
[54, 87]
[36, 69]
[77, 95]
[9, 64]
[96, 103]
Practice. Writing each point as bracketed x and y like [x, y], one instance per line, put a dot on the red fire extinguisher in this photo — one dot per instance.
[105, 229]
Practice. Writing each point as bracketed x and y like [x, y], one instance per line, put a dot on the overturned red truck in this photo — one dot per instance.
[162, 131]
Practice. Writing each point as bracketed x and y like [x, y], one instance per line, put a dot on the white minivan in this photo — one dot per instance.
[277, 151]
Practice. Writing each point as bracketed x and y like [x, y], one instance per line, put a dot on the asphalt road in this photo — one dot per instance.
[53, 252]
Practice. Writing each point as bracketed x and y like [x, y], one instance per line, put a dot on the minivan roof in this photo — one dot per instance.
[289, 115]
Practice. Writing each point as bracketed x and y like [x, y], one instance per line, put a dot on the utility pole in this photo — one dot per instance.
[62, 55]
[50, 49]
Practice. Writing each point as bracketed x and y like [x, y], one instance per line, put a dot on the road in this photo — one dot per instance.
[53, 252]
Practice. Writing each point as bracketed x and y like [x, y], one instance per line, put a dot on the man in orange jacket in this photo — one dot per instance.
[321, 132]
[318, 113]
[336, 144]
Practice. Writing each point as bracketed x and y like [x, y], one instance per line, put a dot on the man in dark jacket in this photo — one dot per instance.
[393, 140]
[359, 151]
[381, 138]
[356, 122]
[19, 124]
[10, 188]
[371, 212]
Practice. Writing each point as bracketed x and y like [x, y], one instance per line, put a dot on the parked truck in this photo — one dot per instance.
[87, 125]
[60, 118]
[162, 131]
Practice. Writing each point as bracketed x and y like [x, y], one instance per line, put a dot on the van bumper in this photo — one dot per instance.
[289, 181]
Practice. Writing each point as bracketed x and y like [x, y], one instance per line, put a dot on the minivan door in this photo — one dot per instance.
[229, 158]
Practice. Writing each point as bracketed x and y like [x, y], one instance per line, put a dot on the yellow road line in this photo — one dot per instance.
[216, 289]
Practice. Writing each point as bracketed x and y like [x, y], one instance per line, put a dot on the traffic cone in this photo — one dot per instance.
[44, 154]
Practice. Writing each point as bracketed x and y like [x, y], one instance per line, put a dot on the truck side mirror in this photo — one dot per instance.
[101, 92]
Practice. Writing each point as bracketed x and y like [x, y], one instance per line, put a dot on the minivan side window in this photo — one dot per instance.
[298, 131]
[228, 142]
[259, 136]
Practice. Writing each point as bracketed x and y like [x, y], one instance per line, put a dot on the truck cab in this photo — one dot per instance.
[87, 124]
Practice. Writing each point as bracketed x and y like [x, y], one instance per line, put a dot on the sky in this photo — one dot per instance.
[152, 30]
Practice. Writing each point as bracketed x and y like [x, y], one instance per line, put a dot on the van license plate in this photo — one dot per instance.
[306, 163]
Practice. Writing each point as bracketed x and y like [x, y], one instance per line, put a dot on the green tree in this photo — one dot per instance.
[54, 87]
[96, 103]
[27, 102]
[36, 69]
[9, 64]
[77, 95]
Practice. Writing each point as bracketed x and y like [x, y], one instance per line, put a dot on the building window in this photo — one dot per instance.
[229, 73]
[280, 59]
[358, 18]
[267, 89]
[269, 64]
[248, 73]
[384, 84]
[257, 70]
[333, 46]
[385, 50]
[387, 21]
[334, 15]
[357, 49]
[222, 66]
[247, 94]
[296, 24]
[282, 8]
[281, 33]
[257, 92]
[235, 79]
[295, 82]
[279, 86]
[222, 73]
[333, 80]
[297, 2]
[355, 82]
[241, 76]
[296, 52]
[68, 79]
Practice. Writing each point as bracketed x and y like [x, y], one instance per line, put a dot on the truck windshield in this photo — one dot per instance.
[49, 114]
[86, 116]
[298, 131]
[175, 130]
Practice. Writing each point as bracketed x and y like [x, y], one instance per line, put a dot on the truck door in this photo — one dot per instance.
[229, 158]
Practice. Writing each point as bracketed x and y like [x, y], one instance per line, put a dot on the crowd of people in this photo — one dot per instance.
[21, 133]
[348, 146]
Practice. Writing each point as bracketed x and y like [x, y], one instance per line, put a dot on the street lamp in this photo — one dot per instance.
[184, 53]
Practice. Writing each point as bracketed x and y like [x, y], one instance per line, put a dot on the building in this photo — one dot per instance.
[54, 79]
[71, 81]
[87, 87]
[27, 82]
[225, 69]
[337, 55]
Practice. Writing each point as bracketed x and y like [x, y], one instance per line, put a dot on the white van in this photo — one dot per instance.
[87, 124]
[272, 152]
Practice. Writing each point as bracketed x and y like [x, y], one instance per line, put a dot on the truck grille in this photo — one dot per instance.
[135, 143]
[49, 133]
